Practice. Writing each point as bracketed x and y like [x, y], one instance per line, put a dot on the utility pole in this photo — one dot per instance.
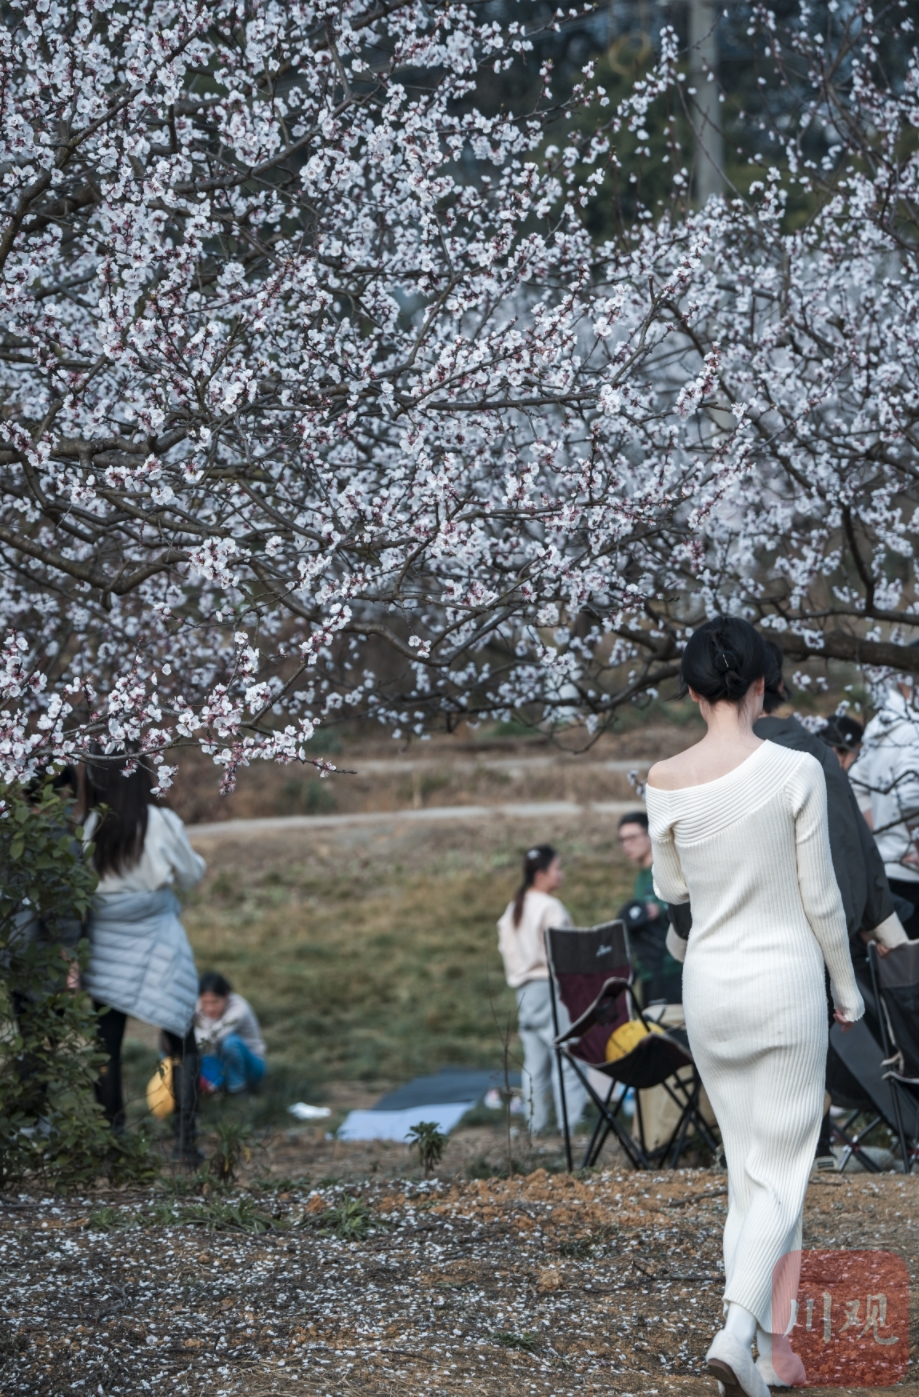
[705, 115]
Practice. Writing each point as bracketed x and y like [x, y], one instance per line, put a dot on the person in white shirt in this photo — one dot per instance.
[886, 781]
[229, 1038]
[140, 962]
[521, 941]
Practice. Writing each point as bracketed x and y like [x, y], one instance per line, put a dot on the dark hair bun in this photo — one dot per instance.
[722, 659]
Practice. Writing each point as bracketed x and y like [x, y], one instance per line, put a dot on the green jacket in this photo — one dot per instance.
[651, 958]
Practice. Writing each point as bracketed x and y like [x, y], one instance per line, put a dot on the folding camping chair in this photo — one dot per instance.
[591, 974]
[856, 1078]
[895, 978]
[856, 1083]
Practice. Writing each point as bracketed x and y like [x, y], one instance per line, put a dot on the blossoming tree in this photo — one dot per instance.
[317, 398]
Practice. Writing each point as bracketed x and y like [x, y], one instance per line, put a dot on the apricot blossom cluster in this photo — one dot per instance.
[318, 399]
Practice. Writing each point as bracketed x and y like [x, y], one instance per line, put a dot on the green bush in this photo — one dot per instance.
[50, 1123]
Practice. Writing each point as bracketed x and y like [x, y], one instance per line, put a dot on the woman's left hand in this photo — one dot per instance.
[844, 1023]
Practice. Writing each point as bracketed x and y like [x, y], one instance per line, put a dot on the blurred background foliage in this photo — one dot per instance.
[762, 97]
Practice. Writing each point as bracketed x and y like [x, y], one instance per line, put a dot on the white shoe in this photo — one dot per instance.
[792, 1367]
[731, 1362]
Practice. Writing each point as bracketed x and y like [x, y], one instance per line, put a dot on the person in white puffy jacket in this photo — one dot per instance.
[140, 962]
[886, 782]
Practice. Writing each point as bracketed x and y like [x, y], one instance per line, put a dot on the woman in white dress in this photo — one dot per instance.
[739, 828]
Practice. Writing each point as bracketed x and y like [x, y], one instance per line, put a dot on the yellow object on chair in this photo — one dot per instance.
[160, 1098]
[627, 1037]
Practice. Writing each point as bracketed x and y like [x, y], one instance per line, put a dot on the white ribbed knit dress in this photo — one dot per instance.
[751, 852]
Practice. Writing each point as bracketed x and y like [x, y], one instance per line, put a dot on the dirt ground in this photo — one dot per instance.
[335, 1269]
[538, 1286]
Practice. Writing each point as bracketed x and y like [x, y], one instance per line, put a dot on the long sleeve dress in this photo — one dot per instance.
[751, 849]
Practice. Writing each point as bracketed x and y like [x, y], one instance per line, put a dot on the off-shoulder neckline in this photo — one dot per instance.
[716, 780]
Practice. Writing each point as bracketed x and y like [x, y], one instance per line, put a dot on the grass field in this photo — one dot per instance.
[370, 955]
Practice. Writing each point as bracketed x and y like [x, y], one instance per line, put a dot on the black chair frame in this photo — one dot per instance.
[898, 1083]
[614, 950]
[685, 1096]
[853, 1141]
[868, 1097]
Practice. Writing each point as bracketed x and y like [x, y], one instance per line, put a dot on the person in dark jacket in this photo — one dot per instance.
[658, 976]
[857, 864]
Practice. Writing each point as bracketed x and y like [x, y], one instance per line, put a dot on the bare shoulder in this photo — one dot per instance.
[672, 772]
[708, 761]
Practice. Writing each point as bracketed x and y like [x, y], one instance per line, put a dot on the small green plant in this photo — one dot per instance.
[161, 1215]
[216, 1214]
[107, 1219]
[526, 1342]
[221, 1215]
[349, 1219]
[132, 1159]
[12, 1343]
[578, 1248]
[430, 1142]
[232, 1150]
[481, 1168]
[270, 1184]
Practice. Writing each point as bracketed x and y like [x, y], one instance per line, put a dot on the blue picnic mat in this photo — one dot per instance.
[450, 1084]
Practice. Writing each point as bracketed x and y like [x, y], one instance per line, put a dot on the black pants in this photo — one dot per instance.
[110, 1091]
[910, 893]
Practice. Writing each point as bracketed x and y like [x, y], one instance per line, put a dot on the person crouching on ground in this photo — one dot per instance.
[229, 1039]
[522, 943]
